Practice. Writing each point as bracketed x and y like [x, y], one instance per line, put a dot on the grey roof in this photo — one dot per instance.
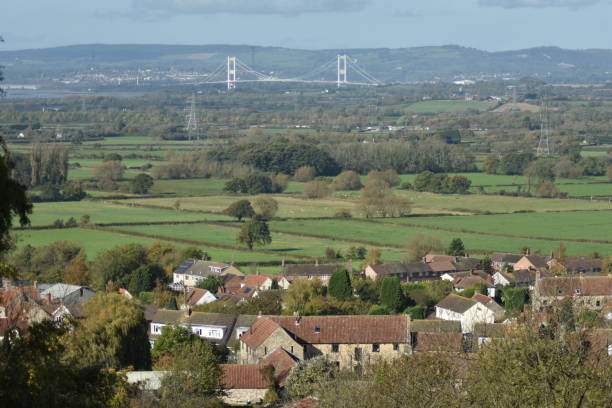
[196, 318]
[435, 326]
[312, 269]
[61, 290]
[456, 303]
[468, 263]
[243, 321]
[203, 268]
[398, 268]
[504, 257]
[538, 261]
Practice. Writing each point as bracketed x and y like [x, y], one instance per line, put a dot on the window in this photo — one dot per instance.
[577, 291]
[375, 348]
[265, 351]
[598, 303]
[335, 348]
[395, 347]
[317, 329]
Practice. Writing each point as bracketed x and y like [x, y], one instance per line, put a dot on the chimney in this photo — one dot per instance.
[317, 262]
[35, 284]
[49, 297]
[259, 314]
[296, 316]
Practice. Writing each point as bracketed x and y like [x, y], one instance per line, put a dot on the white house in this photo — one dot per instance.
[191, 271]
[464, 310]
[215, 327]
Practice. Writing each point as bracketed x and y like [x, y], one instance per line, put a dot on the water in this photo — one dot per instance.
[48, 94]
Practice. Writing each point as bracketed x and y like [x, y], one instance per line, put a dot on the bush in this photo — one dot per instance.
[304, 174]
[378, 310]
[347, 180]
[415, 312]
[71, 223]
[343, 213]
[316, 189]
[146, 297]
[388, 176]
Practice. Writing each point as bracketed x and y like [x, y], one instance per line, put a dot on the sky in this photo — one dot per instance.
[492, 25]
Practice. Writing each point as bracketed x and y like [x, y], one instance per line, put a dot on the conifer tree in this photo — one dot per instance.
[340, 285]
[391, 294]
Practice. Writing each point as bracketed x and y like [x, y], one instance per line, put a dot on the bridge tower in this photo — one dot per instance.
[231, 73]
[342, 70]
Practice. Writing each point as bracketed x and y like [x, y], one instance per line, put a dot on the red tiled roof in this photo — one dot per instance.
[442, 266]
[479, 297]
[346, 329]
[282, 361]
[439, 342]
[430, 258]
[194, 295]
[259, 332]
[464, 282]
[243, 376]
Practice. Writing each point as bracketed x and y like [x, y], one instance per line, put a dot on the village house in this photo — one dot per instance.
[350, 341]
[574, 266]
[461, 283]
[71, 296]
[195, 297]
[410, 271]
[245, 384]
[191, 271]
[250, 285]
[215, 327]
[499, 260]
[588, 292]
[464, 310]
[312, 271]
[436, 336]
[532, 262]
[518, 278]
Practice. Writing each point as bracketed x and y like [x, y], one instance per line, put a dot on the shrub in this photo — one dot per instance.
[304, 174]
[316, 189]
[347, 180]
[343, 213]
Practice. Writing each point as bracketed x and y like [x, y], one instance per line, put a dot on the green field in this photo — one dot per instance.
[93, 241]
[282, 244]
[387, 234]
[104, 212]
[504, 204]
[587, 225]
[448, 106]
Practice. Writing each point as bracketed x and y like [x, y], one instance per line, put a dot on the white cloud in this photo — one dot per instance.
[571, 4]
[269, 7]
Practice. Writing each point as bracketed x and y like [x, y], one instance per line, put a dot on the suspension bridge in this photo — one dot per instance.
[335, 71]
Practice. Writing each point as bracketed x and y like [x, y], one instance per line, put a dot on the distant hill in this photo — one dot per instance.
[389, 65]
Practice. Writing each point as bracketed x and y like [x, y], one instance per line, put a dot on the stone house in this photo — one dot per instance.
[464, 310]
[244, 384]
[350, 341]
[191, 271]
[573, 266]
[215, 327]
[436, 336]
[589, 292]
